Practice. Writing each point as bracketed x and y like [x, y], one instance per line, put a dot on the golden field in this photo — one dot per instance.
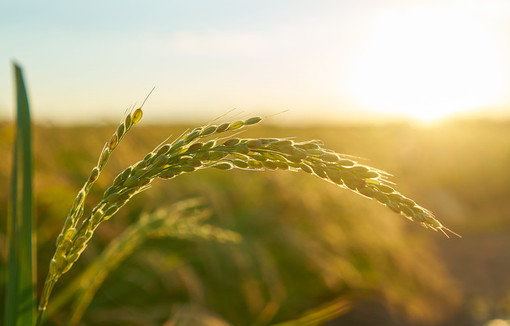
[306, 243]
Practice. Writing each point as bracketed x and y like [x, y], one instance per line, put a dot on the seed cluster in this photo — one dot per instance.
[195, 150]
[216, 146]
[72, 240]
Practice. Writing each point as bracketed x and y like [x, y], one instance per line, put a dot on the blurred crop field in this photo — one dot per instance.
[306, 243]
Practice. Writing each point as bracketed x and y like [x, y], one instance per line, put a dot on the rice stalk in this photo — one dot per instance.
[74, 217]
[217, 146]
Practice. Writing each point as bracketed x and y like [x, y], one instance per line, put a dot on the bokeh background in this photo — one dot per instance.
[420, 89]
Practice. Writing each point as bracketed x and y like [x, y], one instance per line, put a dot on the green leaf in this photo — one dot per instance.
[20, 296]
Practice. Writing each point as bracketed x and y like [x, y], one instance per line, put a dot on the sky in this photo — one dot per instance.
[320, 61]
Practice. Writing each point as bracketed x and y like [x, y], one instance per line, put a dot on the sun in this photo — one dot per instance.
[427, 63]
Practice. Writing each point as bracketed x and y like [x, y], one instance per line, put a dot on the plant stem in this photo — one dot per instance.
[45, 296]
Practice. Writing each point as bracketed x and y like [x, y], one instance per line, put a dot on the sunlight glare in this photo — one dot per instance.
[429, 62]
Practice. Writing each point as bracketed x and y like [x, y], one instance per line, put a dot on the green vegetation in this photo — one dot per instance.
[279, 248]
[20, 296]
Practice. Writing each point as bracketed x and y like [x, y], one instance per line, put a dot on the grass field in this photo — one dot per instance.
[306, 243]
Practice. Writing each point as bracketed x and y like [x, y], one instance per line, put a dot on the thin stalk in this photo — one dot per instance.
[43, 303]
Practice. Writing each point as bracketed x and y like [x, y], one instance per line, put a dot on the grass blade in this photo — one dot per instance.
[20, 295]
